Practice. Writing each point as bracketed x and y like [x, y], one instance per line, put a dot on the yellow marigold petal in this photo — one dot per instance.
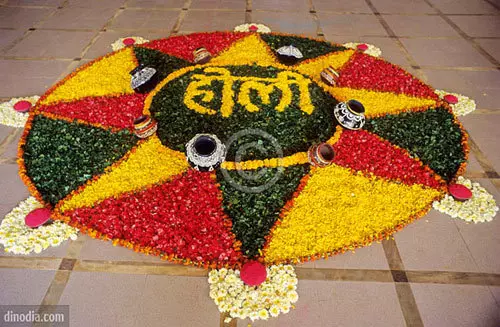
[313, 67]
[338, 208]
[379, 103]
[108, 76]
[150, 163]
[245, 51]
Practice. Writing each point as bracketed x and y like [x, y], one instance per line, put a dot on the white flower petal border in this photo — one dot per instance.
[480, 208]
[464, 106]
[261, 28]
[372, 50]
[10, 117]
[18, 238]
[274, 296]
[118, 44]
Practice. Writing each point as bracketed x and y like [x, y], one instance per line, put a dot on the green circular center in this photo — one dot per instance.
[226, 100]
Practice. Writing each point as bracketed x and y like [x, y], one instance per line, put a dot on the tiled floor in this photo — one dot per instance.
[436, 272]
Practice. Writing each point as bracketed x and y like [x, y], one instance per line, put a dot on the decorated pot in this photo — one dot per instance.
[205, 152]
[350, 114]
[289, 54]
[144, 126]
[201, 56]
[330, 76]
[144, 79]
[321, 154]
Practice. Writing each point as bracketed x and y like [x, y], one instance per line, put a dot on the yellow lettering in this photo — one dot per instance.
[264, 87]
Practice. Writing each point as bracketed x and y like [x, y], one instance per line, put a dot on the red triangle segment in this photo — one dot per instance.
[366, 152]
[107, 111]
[183, 46]
[367, 72]
[183, 217]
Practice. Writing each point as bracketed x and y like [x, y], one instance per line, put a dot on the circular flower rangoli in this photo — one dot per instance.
[262, 200]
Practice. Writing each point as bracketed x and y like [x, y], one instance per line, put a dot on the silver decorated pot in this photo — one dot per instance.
[205, 152]
[350, 114]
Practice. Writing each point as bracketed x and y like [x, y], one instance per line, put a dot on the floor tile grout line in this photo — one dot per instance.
[319, 30]
[466, 37]
[408, 305]
[71, 262]
[9, 139]
[393, 35]
[180, 19]
[483, 160]
[62, 275]
[33, 27]
[406, 298]
[100, 32]
[248, 12]
[493, 4]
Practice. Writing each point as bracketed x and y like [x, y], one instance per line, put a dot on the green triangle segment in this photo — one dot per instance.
[432, 135]
[310, 48]
[254, 201]
[60, 156]
[163, 63]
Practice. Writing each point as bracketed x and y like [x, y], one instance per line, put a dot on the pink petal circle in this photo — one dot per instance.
[37, 217]
[253, 28]
[128, 41]
[253, 273]
[460, 192]
[22, 106]
[362, 47]
[451, 99]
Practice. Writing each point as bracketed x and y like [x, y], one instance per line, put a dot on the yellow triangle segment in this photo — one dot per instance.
[315, 66]
[338, 209]
[380, 103]
[246, 51]
[108, 76]
[148, 164]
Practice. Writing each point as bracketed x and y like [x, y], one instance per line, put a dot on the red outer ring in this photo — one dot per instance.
[253, 273]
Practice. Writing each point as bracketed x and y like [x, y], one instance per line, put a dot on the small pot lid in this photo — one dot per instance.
[37, 217]
[460, 192]
[22, 106]
[253, 273]
[362, 47]
[128, 41]
[451, 99]
[290, 51]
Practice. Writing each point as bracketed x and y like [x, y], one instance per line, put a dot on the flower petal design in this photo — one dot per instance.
[346, 210]
[379, 103]
[368, 153]
[118, 112]
[148, 164]
[245, 51]
[366, 72]
[17, 238]
[183, 46]
[109, 75]
[182, 220]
